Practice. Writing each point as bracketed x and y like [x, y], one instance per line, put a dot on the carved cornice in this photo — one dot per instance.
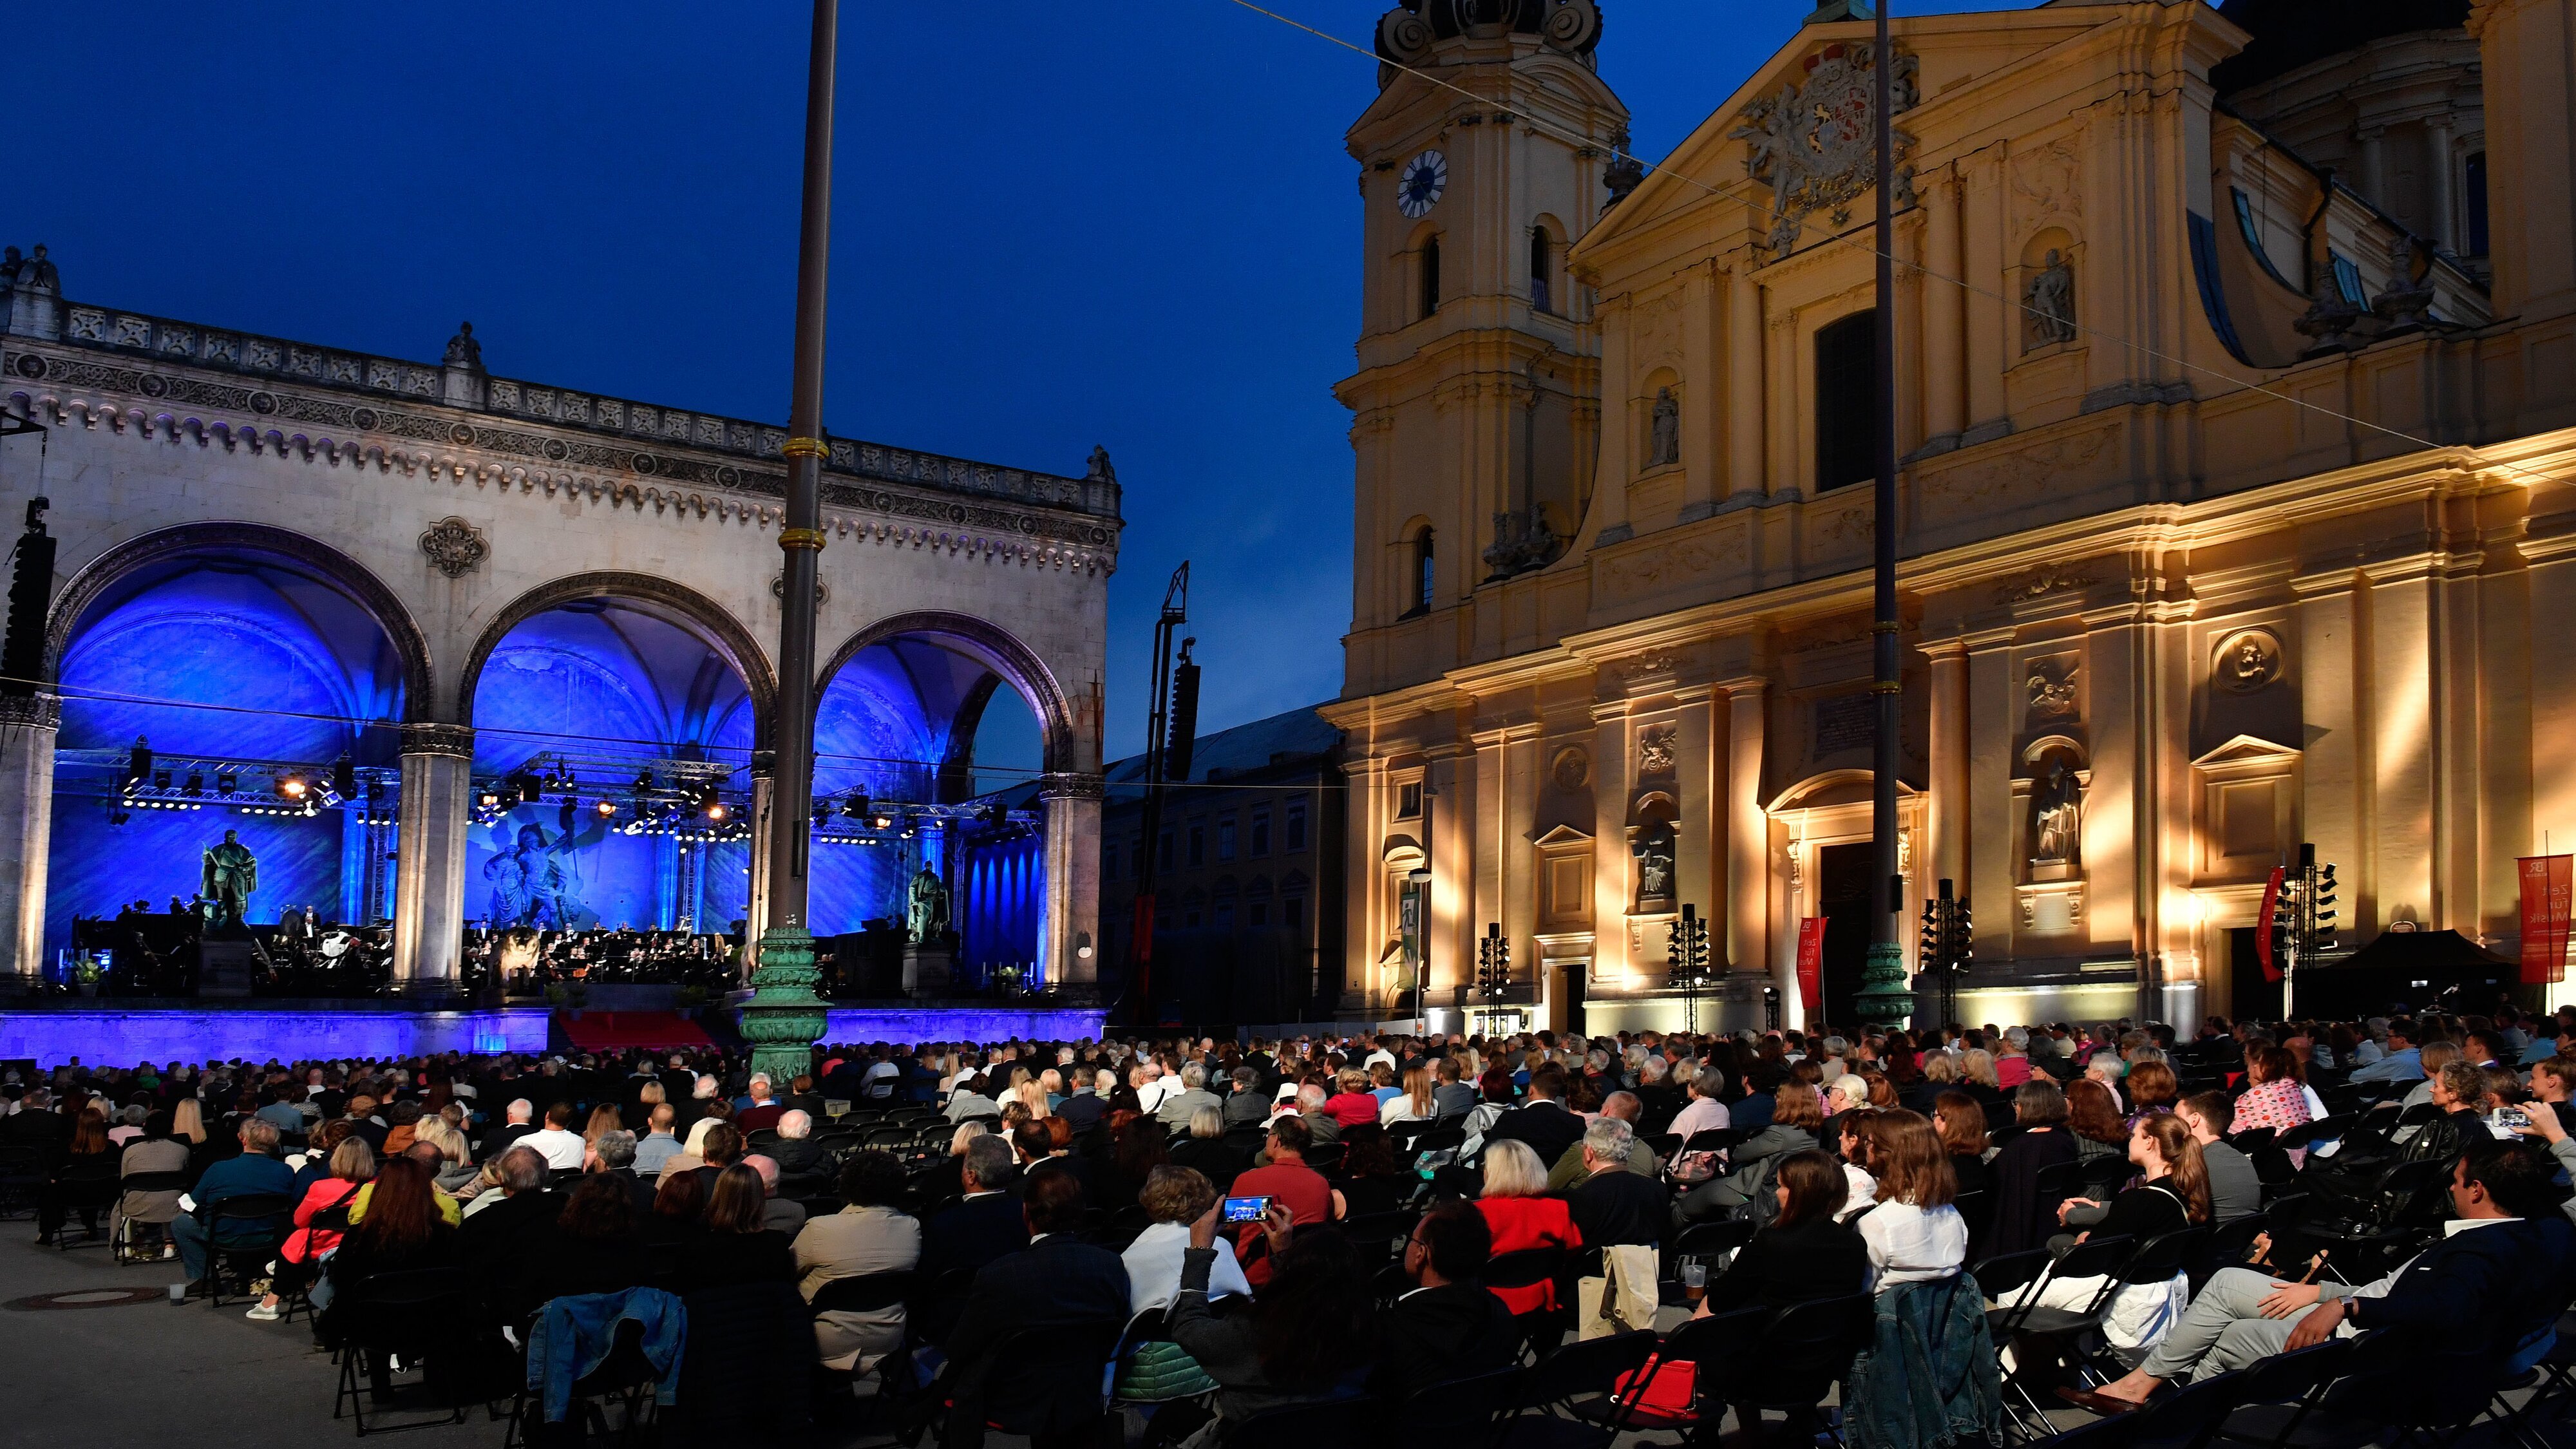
[43, 711]
[455, 742]
[1067, 785]
[385, 437]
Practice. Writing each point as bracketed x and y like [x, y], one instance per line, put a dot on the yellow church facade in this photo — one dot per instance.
[2236, 399]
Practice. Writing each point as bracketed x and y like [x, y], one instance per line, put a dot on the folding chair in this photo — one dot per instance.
[1461, 1412]
[2023, 1324]
[1708, 1346]
[1799, 1359]
[1542, 1329]
[1709, 1242]
[2156, 1260]
[1562, 1382]
[419, 1315]
[122, 1243]
[242, 1234]
[864, 1293]
[1302, 1427]
[2280, 1391]
[22, 1177]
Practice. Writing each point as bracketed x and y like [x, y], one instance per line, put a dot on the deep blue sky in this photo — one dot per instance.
[1054, 225]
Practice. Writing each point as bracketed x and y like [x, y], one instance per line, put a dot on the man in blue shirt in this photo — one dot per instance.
[256, 1171]
[2404, 1063]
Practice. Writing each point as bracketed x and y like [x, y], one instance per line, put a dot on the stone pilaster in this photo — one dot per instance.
[755, 909]
[429, 874]
[1069, 919]
[29, 724]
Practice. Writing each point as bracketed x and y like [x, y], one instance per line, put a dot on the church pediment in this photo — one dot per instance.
[2246, 750]
[1560, 835]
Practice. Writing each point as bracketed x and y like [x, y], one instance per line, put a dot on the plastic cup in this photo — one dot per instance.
[178, 1294]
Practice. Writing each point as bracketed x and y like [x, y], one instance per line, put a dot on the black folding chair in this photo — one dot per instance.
[1707, 1345]
[2156, 1260]
[421, 1316]
[2035, 1331]
[1578, 1373]
[1800, 1357]
[1303, 1426]
[22, 1179]
[242, 1234]
[1711, 1243]
[122, 1247]
[2280, 1392]
[1541, 1329]
[1462, 1412]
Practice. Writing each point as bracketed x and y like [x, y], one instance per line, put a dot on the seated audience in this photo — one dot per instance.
[1447, 1327]
[2235, 1189]
[1805, 1252]
[255, 1171]
[2020, 1221]
[736, 1246]
[1519, 1218]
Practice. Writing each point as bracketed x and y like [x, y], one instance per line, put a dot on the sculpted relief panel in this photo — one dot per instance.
[1641, 572]
[1987, 479]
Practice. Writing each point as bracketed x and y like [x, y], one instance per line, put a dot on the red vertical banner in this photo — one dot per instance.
[2546, 882]
[1811, 963]
[2263, 925]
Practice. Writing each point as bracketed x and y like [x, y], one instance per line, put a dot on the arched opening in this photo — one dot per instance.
[928, 751]
[1417, 572]
[1430, 274]
[612, 788]
[222, 682]
[1542, 268]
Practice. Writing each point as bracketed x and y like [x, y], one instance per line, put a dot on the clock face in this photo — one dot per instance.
[1425, 177]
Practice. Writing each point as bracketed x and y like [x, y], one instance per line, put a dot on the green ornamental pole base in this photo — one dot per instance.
[784, 1018]
[1883, 999]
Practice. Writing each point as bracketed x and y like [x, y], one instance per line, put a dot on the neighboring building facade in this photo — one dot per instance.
[2236, 362]
[1248, 875]
[524, 634]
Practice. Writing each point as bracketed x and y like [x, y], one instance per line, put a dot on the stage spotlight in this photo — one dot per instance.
[138, 764]
[292, 787]
[606, 807]
[226, 782]
[857, 809]
[160, 779]
[196, 783]
[491, 798]
[715, 810]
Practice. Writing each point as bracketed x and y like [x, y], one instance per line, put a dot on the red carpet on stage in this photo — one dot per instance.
[610, 1031]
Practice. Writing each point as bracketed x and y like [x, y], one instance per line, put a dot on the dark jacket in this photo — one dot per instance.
[972, 1234]
[712, 1260]
[1618, 1206]
[2021, 1221]
[1546, 1126]
[500, 1246]
[1818, 1258]
[1225, 1348]
[804, 1169]
[1433, 1335]
[2483, 1299]
[1060, 1288]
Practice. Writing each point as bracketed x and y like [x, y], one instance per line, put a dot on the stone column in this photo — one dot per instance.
[2438, 176]
[1948, 805]
[1069, 912]
[755, 903]
[1943, 315]
[1748, 840]
[1363, 879]
[1743, 360]
[429, 874]
[28, 726]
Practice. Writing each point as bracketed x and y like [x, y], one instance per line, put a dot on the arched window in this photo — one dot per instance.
[1418, 574]
[1430, 275]
[1847, 401]
[1540, 270]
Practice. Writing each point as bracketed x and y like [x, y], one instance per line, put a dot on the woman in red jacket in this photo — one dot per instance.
[353, 1166]
[1521, 1218]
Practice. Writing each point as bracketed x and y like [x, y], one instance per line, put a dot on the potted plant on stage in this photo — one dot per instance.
[86, 972]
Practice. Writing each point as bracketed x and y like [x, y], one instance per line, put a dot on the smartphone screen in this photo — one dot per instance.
[1244, 1209]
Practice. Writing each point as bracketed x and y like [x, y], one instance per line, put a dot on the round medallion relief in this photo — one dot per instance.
[2247, 660]
[1572, 768]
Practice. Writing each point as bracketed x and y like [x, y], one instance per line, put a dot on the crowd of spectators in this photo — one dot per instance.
[1249, 1226]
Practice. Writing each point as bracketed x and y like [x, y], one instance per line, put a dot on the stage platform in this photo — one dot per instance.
[122, 1033]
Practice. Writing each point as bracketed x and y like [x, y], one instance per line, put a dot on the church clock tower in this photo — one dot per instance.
[1476, 399]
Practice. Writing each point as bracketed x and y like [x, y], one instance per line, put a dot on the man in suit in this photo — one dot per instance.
[2486, 1297]
[1452, 1095]
[1448, 1326]
[1543, 1122]
[1612, 1205]
[499, 1246]
[1056, 1286]
[986, 1224]
[521, 1121]
[1084, 1109]
[803, 1170]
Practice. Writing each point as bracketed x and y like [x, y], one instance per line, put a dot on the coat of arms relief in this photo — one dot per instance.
[1814, 142]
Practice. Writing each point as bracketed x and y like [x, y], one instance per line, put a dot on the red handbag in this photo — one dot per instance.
[1669, 1391]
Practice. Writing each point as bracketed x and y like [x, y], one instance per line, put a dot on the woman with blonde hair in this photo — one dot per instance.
[1521, 1217]
[299, 1262]
[603, 1118]
[1413, 1104]
[455, 1159]
[188, 1120]
[1029, 1094]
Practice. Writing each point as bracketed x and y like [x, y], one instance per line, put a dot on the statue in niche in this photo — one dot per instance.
[925, 916]
[2048, 303]
[1665, 441]
[231, 873]
[1654, 851]
[2058, 816]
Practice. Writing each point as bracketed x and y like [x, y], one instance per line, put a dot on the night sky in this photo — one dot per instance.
[1054, 225]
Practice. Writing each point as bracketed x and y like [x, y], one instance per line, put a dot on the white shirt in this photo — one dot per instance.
[561, 1148]
[1154, 1268]
[1910, 1245]
[1150, 1096]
